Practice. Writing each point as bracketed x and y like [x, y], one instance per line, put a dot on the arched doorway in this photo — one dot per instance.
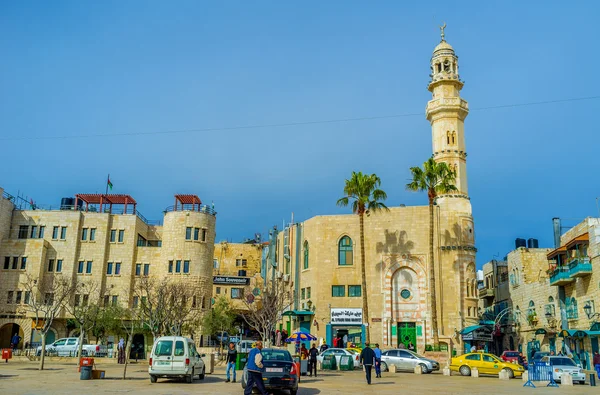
[7, 332]
[138, 347]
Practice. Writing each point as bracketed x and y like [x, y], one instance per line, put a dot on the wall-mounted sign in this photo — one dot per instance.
[346, 316]
[375, 319]
[225, 280]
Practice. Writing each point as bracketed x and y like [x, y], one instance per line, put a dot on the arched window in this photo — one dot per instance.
[571, 307]
[550, 308]
[453, 138]
[345, 251]
[306, 255]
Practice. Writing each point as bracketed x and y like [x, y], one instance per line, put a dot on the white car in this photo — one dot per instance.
[69, 346]
[175, 356]
[339, 352]
[562, 365]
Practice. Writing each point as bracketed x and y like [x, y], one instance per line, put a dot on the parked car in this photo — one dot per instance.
[561, 365]
[339, 352]
[407, 360]
[175, 356]
[510, 356]
[485, 363]
[279, 372]
[538, 355]
[69, 346]
[222, 337]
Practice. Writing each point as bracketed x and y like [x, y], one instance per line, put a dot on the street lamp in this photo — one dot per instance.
[588, 311]
[309, 304]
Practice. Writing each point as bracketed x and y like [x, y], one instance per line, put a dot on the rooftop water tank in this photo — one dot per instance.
[532, 243]
[520, 243]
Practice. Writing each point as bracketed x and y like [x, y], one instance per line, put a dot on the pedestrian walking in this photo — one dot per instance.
[278, 340]
[597, 363]
[121, 351]
[367, 358]
[255, 369]
[16, 339]
[312, 360]
[231, 360]
[377, 352]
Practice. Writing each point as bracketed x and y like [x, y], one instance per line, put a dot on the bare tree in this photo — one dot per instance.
[263, 311]
[45, 297]
[85, 309]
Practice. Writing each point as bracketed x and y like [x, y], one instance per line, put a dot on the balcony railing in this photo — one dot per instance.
[193, 207]
[560, 276]
[580, 267]
[486, 293]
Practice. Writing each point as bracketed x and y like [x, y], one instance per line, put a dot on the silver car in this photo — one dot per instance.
[407, 360]
[562, 365]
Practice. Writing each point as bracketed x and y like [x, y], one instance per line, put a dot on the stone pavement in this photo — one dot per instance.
[18, 377]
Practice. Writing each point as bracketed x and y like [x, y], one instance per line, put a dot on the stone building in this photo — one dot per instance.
[319, 259]
[104, 239]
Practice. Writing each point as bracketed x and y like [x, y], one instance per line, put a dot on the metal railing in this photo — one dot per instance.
[539, 371]
[192, 207]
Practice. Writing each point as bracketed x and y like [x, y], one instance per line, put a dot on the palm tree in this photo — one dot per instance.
[363, 190]
[434, 178]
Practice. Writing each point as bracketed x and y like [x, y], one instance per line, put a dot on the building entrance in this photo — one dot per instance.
[407, 334]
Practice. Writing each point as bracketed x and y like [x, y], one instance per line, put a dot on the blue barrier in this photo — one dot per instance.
[539, 371]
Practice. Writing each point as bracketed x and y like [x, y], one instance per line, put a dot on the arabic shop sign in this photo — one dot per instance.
[346, 316]
[231, 280]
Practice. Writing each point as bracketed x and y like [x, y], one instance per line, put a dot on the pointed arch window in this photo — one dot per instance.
[345, 254]
[453, 138]
[448, 136]
[571, 307]
[305, 266]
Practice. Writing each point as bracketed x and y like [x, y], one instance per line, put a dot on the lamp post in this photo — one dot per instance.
[588, 311]
[309, 304]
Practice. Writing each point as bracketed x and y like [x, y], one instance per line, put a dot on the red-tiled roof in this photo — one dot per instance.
[188, 199]
[95, 198]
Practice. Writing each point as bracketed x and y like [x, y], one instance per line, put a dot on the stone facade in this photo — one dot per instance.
[113, 250]
[313, 256]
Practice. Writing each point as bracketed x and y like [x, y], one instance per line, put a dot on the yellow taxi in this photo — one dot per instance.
[485, 363]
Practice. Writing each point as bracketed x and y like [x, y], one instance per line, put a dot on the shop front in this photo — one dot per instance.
[580, 345]
[346, 325]
[477, 336]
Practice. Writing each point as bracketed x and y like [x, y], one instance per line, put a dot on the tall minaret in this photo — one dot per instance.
[447, 112]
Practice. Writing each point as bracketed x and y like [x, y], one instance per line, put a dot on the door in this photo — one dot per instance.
[391, 358]
[407, 361]
[179, 356]
[489, 365]
[163, 352]
[552, 342]
[407, 334]
[194, 357]
[71, 347]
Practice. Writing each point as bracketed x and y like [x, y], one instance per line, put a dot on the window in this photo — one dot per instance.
[115, 300]
[80, 267]
[308, 292]
[109, 268]
[146, 269]
[15, 262]
[550, 307]
[170, 266]
[188, 233]
[6, 262]
[23, 263]
[241, 262]
[106, 299]
[50, 265]
[9, 298]
[84, 233]
[489, 358]
[215, 263]
[474, 357]
[77, 300]
[23, 231]
[218, 290]
[136, 300]
[194, 301]
[196, 233]
[86, 299]
[186, 266]
[203, 234]
[177, 266]
[54, 232]
[19, 296]
[121, 236]
[33, 234]
[571, 305]
[345, 251]
[41, 233]
[92, 234]
[138, 269]
[113, 235]
[117, 268]
[88, 267]
[63, 233]
[592, 306]
[354, 291]
[237, 293]
[27, 298]
[338, 291]
[303, 293]
[305, 255]
[59, 265]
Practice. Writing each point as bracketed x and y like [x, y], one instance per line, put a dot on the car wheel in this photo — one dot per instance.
[189, 378]
[510, 372]
[582, 382]
[201, 375]
[465, 370]
[384, 367]
[424, 368]
[153, 378]
[294, 391]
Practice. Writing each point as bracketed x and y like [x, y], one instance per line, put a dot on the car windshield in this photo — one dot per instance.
[415, 354]
[276, 355]
[562, 362]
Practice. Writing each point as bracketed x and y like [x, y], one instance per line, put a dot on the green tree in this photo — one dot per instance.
[435, 178]
[366, 197]
[220, 319]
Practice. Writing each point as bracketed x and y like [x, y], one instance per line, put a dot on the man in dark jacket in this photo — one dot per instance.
[312, 360]
[231, 359]
[367, 358]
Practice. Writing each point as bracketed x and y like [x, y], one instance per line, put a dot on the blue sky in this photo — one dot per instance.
[91, 68]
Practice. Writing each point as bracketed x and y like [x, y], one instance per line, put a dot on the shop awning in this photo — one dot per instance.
[292, 313]
[573, 333]
[470, 329]
[593, 333]
[558, 251]
[595, 327]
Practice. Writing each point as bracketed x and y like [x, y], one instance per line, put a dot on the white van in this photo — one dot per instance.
[175, 356]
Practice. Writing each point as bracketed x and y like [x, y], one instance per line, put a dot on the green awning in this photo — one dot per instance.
[573, 333]
[470, 329]
[595, 326]
[540, 331]
[292, 313]
[593, 333]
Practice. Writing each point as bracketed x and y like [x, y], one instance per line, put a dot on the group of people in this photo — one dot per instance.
[369, 358]
[279, 337]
